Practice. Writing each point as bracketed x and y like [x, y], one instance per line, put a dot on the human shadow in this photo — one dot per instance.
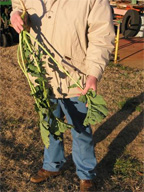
[116, 148]
[130, 42]
[131, 54]
[107, 127]
[105, 167]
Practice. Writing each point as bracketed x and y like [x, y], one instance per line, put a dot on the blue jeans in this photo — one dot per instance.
[82, 147]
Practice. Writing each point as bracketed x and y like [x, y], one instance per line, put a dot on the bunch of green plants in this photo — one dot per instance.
[29, 55]
[97, 109]
[30, 61]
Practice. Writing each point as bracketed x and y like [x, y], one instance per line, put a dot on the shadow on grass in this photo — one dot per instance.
[105, 167]
[129, 107]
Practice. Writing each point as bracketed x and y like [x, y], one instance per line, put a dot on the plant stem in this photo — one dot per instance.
[24, 67]
[37, 64]
[24, 9]
[18, 57]
[29, 47]
[59, 65]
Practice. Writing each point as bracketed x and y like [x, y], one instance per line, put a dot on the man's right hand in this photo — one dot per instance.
[17, 22]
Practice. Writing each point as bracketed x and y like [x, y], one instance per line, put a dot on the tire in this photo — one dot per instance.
[9, 39]
[3, 41]
[14, 35]
[131, 23]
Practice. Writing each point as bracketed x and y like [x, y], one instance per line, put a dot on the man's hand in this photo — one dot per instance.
[91, 83]
[17, 21]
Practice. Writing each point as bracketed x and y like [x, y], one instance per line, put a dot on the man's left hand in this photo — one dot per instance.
[91, 83]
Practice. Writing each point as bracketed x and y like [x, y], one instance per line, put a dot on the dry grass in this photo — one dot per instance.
[118, 138]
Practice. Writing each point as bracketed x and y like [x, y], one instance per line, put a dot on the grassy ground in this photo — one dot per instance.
[118, 139]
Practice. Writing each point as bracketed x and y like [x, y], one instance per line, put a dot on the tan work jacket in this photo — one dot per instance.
[79, 33]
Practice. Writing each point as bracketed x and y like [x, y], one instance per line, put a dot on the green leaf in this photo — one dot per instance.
[41, 63]
[36, 107]
[45, 93]
[91, 93]
[82, 98]
[37, 88]
[43, 110]
[98, 117]
[27, 53]
[44, 134]
[42, 103]
[75, 85]
[35, 74]
[57, 133]
[101, 108]
[40, 80]
[93, 117]
[53, 105]
[72, 86]
[43, 71]
[33, 68]
[92, 121]
[63, 126]
[58, 126]
[97, 110]
[139, 108]
[86, 122]
[54, 129]
[41, 116]
[45, 124]
[98, 100]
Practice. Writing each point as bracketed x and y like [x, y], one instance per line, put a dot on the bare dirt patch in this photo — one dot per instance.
[118, 139]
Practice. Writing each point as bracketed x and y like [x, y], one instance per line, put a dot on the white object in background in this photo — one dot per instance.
[141, 32]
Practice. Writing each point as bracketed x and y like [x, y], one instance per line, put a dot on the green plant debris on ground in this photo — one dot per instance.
[128, 167]
[128, 174]
[130, 103]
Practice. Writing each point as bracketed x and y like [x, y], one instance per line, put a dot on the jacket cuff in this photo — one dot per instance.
[94, 70]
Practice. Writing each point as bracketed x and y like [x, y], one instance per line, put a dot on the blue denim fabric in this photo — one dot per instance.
[82, 147]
